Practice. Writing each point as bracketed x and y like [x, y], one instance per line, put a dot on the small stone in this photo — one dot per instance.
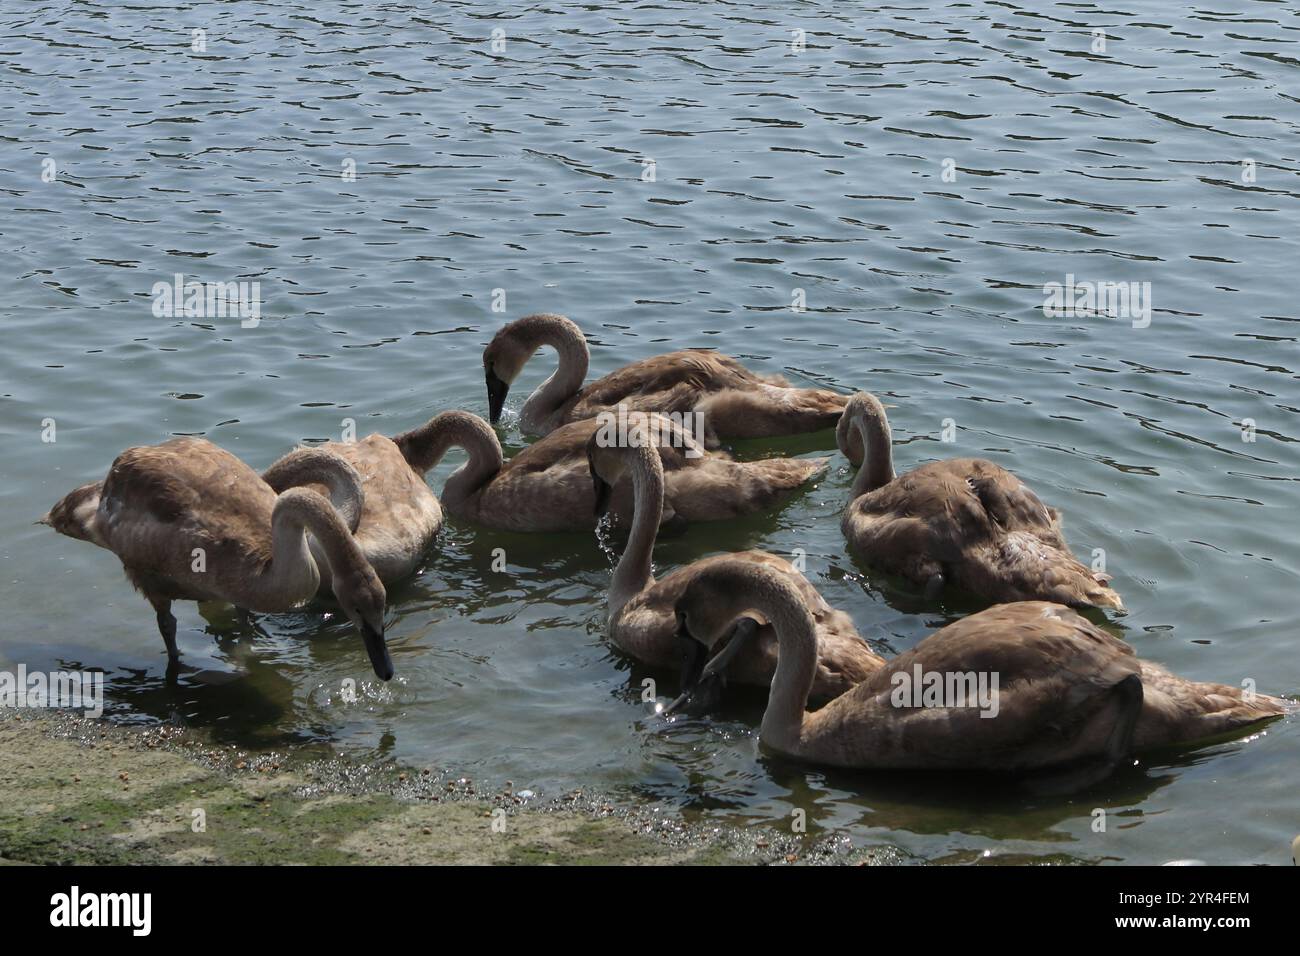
[427, 831]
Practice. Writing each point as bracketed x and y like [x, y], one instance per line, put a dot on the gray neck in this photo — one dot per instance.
[863, 435]
[571, 347]
[634, 572]
[321, 466]
[738, 588]
[796, 667]
[425, 446]
[292, 576]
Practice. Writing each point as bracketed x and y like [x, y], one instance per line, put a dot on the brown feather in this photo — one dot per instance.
[1054, 669]
[967, 519]
[646, 627]
[547, 486]
[400, 515]
[734, 401]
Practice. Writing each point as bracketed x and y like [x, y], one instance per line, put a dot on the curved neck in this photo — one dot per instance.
[796, 668]
[312, 466]
[292, 574]
[425, 446]
[866, 439]
[634, 572]
[737, 588]
[571, 347]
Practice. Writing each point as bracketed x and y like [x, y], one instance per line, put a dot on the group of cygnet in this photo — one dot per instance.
[344, 518]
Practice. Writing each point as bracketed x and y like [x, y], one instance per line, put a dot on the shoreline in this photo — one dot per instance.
[87, 791]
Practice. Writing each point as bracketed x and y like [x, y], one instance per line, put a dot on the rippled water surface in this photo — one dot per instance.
[669, 175]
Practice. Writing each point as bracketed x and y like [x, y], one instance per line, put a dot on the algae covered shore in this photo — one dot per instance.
[83, 791]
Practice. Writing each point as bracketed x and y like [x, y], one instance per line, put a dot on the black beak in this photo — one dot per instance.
[703, 683]
[378, 651]
[602, 490]
[694, 656]
[497, 391]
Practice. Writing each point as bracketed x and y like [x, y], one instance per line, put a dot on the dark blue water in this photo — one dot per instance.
[670, 175]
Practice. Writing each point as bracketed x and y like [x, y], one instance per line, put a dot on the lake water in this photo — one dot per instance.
[669, 175]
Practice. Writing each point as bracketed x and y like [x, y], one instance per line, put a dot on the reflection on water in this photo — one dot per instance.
[670, 176]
